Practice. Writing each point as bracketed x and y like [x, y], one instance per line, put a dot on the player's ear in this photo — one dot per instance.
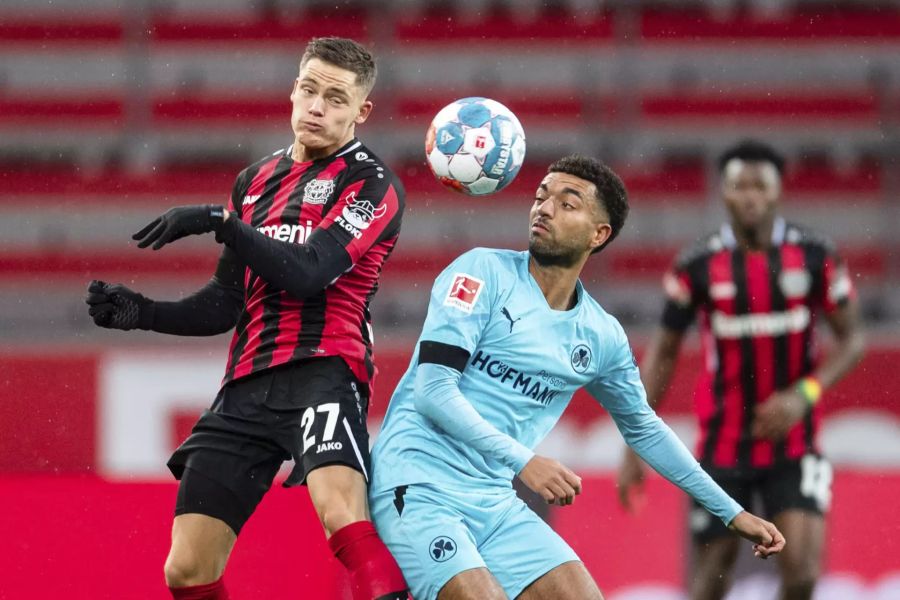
[602, 232]
[364, 111]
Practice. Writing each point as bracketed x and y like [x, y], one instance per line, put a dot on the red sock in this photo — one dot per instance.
[373, 571]
[208, 591]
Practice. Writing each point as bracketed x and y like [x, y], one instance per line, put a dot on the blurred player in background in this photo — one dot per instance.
[758, 283]
[305, 236]
[509, 337]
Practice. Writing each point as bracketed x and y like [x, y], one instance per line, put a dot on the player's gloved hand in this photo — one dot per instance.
[117, 307]
[180, 222]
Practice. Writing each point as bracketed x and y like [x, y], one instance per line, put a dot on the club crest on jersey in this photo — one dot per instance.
[318, 191]
[795, 283]
[581, 358]
[464, 292]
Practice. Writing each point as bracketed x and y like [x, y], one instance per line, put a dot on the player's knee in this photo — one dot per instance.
[183, 570]
[799, 579]
[336, 517]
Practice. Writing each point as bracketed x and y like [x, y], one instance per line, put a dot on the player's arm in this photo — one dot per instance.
[439, 399]
[619, 389]
[301, 270]
[657, 368]
[775, 417]
[211, 310]
[306, 269]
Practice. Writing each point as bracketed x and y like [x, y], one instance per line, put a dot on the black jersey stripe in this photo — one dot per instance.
[814, 260]
[782, 366]
[748, 358]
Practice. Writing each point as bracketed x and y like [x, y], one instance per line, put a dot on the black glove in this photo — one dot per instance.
[117, 307]
[179, 222]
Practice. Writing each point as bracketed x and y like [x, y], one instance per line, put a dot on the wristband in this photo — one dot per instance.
[810, 389]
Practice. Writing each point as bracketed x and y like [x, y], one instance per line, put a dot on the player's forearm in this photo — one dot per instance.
[660, 448]
[438, 398]
[658, 364]
[846, 354]
[301, 270]
[214, 309]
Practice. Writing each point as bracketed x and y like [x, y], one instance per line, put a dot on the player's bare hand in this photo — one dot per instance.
[766, 538]
[775, 417]
[555, 483]
[630, 481]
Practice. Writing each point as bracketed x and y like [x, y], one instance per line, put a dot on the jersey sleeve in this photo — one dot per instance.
[837, 286]
[461, 300]
[238, 189]
[682, 296]
[619, 390]
[369, 209]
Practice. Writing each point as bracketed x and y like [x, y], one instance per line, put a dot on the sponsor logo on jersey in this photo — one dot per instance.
[318, 191]
[358, 214]
[722, 290]
[509, 318]
[760, 324]
[329, 447]
[581, 358]
[795, 283]
[464, 291]
[524, 383]
[250, 199]
[442, 548]
[298, 234]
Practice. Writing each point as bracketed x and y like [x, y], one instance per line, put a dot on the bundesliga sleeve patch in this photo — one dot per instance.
[464, 292]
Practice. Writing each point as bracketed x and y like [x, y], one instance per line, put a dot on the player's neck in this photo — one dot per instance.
[754, 239]
[557, 283]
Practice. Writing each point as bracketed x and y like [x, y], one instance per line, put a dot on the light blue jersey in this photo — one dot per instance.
[526, 361]
[494, 369]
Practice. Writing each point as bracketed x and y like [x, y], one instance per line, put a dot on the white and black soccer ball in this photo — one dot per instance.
[475, 146]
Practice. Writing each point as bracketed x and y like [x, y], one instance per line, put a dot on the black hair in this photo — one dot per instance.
[611, 194]
[753, 151]
[346, 54]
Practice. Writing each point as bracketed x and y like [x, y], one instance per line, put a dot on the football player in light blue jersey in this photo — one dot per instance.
[509, 337]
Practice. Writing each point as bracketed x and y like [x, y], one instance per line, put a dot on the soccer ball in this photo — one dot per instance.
[475, 146]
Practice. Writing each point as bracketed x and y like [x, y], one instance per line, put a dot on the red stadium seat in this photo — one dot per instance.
[59, 28]
[698, 26]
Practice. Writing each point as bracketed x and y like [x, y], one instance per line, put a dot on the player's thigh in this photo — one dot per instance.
[796, 496]
[228, 462]
[323, 418]
[569, 581]
[705, 527]
[522, 547]
[425, 530]
[474, 584]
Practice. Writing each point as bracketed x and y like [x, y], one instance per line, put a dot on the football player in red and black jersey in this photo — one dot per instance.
[758, 283]
[305, 236]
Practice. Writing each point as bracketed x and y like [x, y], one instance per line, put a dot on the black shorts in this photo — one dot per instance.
[312, 411]
[803, 485]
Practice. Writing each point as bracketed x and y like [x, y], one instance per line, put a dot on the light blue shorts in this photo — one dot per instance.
[435, 533]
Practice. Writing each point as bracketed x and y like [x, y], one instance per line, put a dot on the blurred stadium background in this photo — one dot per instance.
[111, 112]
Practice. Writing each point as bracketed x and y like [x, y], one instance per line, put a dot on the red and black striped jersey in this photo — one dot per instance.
[758, 312]
[355, 198]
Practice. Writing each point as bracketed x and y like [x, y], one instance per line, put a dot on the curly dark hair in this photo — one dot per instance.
[611, 191]
[753, 151]
[346, 54]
